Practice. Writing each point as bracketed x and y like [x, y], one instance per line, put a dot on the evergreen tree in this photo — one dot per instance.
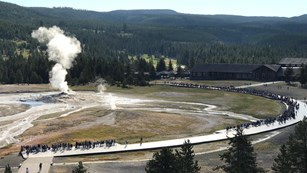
[170, 65]
[185, 159]
[297, 147]
[8, 169]
[179, 71]
[240, 157]
[19, 77]
[191, 62]
[152, 70]
[295, 151]
[79, 169]
[282, 163]
[303, 75]
[161, 65]
[162, 162]
[289, 74]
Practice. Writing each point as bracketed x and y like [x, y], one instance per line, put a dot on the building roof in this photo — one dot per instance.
[226, 68]
[289, 61]
[273, 67]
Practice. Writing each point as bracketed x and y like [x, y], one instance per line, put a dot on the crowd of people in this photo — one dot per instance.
[289, 113]
[66, 146]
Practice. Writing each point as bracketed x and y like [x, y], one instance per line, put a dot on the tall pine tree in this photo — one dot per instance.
[170, 65]
[185, 157]
[282, 163]
[293, 156]
[79, 169]
[162, 162]
[240, 157]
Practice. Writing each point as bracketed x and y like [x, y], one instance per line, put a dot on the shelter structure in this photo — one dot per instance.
[236, 72]
[293, 62]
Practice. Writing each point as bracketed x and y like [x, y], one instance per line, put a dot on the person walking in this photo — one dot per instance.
[40, 167]
[27, 170]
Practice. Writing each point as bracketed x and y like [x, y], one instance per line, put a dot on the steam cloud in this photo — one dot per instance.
[101, 88]
[62, 50]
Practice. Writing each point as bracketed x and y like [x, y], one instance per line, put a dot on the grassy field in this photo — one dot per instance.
[239, 103]
[258, 107]
[156, 60]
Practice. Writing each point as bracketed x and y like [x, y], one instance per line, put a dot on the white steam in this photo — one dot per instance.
[101, 88]
[62, 50]
[112, 102]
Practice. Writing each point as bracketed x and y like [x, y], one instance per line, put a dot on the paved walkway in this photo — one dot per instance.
[259, 84]
[33, 165]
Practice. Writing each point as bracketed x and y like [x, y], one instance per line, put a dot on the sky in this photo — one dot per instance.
[282, 8]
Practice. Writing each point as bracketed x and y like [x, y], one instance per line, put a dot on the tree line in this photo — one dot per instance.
[106, 49]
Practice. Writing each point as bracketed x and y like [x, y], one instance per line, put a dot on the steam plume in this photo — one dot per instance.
[101, 88]
[62, 50]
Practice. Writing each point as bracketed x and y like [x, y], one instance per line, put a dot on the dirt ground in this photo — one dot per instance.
[11, 109]
[293, 90]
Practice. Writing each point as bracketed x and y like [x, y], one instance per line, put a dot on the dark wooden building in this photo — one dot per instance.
[292, 62]
[236, 72]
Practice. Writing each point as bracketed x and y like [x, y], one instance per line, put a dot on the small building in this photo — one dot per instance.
[236, 72]
[292, 62]
[165, 74]
[268, 73]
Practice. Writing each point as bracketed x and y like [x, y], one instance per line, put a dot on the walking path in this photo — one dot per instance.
[259, 84]
[33, 165]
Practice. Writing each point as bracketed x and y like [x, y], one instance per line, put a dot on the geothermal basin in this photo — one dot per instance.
[48, 117]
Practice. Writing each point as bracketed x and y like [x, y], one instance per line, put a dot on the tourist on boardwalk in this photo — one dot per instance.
[40, 167]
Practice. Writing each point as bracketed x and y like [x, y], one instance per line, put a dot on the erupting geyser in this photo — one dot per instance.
[62, 49]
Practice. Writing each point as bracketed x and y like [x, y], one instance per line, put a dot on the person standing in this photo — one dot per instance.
[40, 166]
[27, 170]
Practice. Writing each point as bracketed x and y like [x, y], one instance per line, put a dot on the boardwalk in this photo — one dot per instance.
[33, 165]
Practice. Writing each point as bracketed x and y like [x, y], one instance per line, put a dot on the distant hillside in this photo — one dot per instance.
[109, 38]
[172, 25]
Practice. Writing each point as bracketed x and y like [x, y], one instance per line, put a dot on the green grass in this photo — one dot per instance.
[156, 60]
[256, 106]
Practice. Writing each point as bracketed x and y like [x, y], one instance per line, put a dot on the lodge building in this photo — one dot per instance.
[258, 72]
